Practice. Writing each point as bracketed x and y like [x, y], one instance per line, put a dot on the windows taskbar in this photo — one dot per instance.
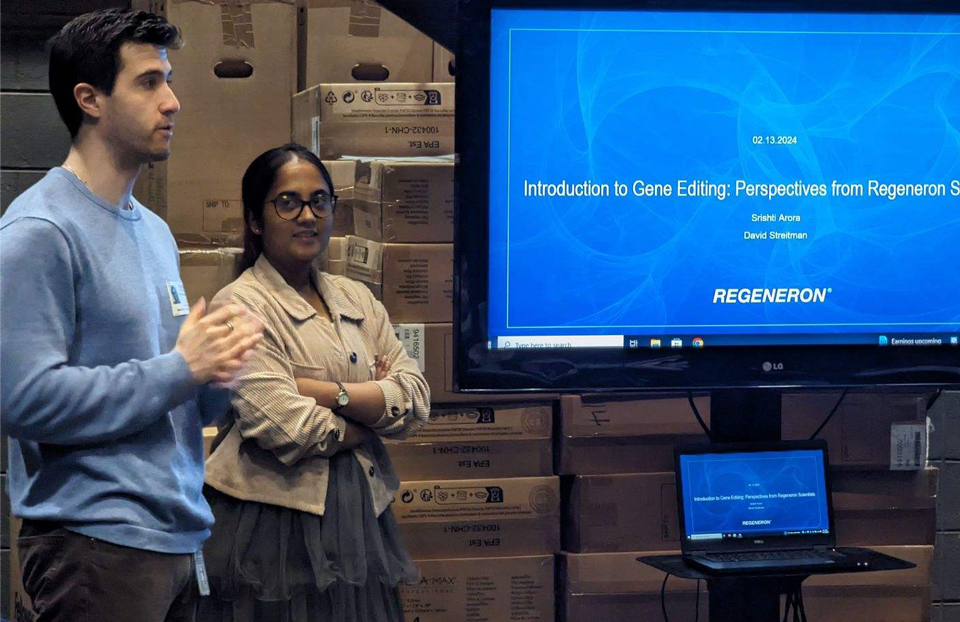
[525, 342]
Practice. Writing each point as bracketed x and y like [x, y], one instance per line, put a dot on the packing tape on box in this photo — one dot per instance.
[236, 2]
[329, 4]
[364, 15]
[237, 19]
[195, 257]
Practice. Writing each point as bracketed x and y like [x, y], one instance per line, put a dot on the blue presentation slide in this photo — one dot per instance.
[749, 494]
[740, 177]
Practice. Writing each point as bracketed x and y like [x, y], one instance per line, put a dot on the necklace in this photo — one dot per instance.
[77, 175]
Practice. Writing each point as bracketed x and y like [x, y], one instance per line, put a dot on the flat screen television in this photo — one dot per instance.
[707, 195]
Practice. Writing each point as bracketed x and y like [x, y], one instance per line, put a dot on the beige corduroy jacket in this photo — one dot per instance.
[276, 444]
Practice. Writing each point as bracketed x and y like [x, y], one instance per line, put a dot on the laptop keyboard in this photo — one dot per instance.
[764, 556]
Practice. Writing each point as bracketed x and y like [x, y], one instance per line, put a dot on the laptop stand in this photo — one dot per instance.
[755, 597]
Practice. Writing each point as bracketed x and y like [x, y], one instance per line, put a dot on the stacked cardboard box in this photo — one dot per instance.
[615, 586]
[358, 40]
[205, 270]
[508, 588]
[479, 507]
[479, 504]
[870, 431]
[402, 119]
[619, 502]
[233, 77]
[638, 511]
[605, 435]
[473, 441]
[444, 64]
[495, 517]
[484, 545]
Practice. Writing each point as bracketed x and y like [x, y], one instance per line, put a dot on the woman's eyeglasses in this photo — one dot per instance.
[290, 206]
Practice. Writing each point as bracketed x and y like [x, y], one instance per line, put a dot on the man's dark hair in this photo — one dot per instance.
[88, 50]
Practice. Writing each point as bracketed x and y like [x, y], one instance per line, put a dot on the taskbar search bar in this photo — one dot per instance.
[560, 342]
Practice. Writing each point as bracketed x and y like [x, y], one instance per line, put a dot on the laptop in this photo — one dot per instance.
[757, 507]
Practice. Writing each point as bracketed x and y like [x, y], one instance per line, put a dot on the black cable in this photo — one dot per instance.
[696, 413]
[663, 597]
[696, 617]
[663, 600]
[803, 612]
[933, 398]
[830, 416]
[786, 607]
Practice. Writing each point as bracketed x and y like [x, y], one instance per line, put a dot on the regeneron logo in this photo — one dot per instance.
[780, 295]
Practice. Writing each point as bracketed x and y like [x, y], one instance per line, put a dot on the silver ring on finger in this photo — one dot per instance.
[229, 325]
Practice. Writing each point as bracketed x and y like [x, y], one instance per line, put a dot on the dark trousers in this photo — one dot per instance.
[74, 578]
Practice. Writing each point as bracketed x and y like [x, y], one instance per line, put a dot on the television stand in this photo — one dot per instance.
[743, 416]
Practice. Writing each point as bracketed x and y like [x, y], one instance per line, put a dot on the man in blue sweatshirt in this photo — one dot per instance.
[108, 376]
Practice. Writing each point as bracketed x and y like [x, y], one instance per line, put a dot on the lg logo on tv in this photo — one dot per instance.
[768, 366]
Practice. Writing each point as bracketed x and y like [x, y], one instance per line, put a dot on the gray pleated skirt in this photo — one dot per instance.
[272, 564]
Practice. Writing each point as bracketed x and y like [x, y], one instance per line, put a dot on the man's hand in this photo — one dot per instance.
[217, 344]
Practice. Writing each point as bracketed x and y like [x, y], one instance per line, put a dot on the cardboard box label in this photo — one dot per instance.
[417, 282]
[908, 447]
[405, 201]
[223, 215]
[364, 260]
[471, 460]
[351, 100]
[508, 498]
[478, 442]
[484, 423]
[358, 119]
[519, 589]
[488, 423]
[412, 337]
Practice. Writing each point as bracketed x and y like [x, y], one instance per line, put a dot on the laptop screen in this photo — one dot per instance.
[740, 495]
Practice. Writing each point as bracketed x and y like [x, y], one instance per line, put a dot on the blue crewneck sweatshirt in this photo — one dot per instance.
[105, 421]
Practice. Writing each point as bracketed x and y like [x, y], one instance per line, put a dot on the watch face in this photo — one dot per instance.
[343, 399]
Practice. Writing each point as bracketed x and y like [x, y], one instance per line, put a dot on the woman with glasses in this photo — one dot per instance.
[299, 481]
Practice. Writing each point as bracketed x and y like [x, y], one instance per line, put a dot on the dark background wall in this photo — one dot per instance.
[945, 454]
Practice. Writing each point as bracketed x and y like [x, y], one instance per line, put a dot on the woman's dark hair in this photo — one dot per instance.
[88, 50]
[257, 182]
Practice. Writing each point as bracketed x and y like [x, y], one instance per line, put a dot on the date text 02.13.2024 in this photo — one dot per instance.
[774, 140]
